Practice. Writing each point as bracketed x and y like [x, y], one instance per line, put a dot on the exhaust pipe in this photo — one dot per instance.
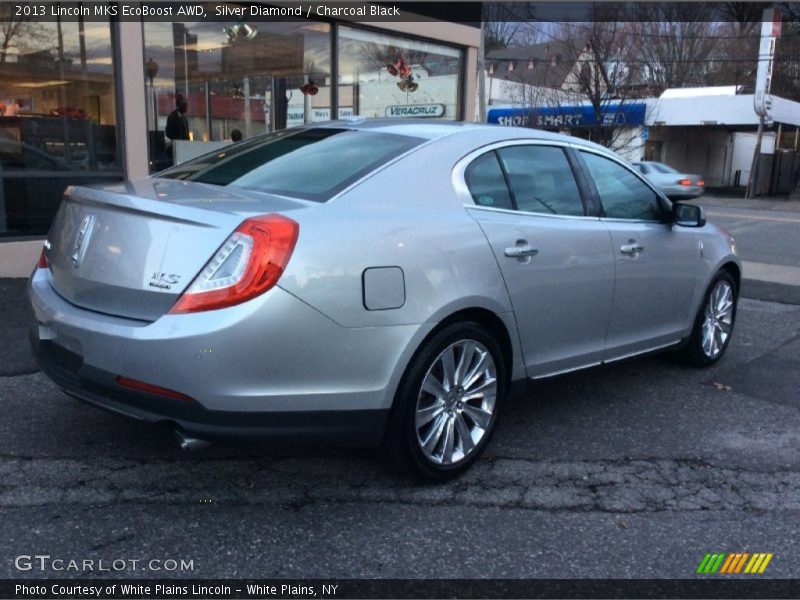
[187, 442]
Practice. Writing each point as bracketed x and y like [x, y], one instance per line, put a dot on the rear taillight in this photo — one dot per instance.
[701, 183]
[684, 182]
[42, 264]
[250, 262]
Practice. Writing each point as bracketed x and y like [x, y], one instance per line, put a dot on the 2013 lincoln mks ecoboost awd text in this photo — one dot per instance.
[377, 282]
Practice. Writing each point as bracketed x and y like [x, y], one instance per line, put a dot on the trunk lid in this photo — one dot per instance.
[130, 249]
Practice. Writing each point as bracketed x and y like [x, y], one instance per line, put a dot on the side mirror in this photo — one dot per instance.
[688, 215]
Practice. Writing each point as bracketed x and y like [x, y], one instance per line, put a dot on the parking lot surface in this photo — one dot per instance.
[632, 470]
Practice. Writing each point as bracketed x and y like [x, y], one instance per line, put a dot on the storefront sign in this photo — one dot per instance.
[296, 116]
[612, 115]
[416, 110]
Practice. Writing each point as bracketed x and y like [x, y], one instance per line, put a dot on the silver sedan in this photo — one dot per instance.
[673, 183]
[371, 282]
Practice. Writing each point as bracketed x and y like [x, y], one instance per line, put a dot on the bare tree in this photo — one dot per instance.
[20, 29]
[500, 29]
[508, 24]
[675, 41]
[786, 67]
[734, 59]
[602, 74]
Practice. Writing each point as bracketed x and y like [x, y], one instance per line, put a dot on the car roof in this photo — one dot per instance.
[432, 129]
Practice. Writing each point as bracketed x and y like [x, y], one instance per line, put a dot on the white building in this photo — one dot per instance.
[711, 131]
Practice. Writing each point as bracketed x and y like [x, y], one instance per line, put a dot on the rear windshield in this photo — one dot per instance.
[313, 164]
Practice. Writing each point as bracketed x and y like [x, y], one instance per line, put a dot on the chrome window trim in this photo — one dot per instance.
[461, 188]
[526, 213]
[621, 220]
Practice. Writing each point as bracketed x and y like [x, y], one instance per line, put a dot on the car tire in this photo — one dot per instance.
[713, 325]
[446, 406]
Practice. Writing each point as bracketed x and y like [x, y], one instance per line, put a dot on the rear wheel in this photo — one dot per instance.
[446, 407]
[714, 323]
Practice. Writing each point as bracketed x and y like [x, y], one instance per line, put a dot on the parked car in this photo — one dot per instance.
[672, 182]
[372, 282]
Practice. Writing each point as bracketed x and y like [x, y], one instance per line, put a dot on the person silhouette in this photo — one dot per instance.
[177, 124]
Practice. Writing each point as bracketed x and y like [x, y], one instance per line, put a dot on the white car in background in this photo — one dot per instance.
[671, 181]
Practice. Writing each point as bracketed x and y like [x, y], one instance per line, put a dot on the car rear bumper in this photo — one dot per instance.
[273, 367]
[684, 192]
[99, 388]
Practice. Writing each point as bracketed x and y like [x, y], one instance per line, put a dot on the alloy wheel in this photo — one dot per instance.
[456, 402]
[718, 322]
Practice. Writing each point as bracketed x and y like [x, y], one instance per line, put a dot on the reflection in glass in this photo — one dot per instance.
[57, 116]
[250, 77]
[384, 75]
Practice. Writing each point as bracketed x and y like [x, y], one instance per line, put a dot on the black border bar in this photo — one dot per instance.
[467, 12]
[711, 587]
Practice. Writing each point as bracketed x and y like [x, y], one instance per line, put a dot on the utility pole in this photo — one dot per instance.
[762, 103]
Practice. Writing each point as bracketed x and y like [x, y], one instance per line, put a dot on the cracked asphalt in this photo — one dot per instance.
[631, 470]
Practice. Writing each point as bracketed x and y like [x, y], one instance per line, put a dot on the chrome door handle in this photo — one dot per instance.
[632, 248]
[521, 251]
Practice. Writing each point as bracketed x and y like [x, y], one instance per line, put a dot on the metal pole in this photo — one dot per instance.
[752, 181]
[248, 120]
[334, 72]
[272, 103]
[307, 103]
[155, 103]
[207, 93]
[482, 77]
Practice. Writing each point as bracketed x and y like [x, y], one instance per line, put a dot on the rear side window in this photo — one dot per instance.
[486, 182]
[624, 196]
[541, 180]
[313, 164]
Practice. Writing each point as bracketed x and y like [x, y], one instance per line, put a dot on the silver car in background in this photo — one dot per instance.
[371, 282]
[673, 183]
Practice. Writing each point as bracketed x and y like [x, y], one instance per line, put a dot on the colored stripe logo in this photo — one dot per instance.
[734, 563]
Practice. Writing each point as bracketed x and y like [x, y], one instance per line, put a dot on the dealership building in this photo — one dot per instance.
[87, 101]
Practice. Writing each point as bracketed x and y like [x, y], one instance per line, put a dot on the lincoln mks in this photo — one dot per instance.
[372, 282]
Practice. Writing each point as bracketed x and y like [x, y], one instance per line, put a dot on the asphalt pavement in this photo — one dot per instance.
[631, 470]
[767, 234]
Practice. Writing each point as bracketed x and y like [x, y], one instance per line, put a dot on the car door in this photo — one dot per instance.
[555, 257]
[656, 265]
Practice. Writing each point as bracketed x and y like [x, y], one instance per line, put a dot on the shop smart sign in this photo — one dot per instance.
[612, 115]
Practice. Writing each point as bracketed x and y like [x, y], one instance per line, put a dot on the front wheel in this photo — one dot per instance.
[446, 407]
[714, 323]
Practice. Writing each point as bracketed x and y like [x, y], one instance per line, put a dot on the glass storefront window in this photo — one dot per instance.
[57, 116]
[383, 75]
[249, 78]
